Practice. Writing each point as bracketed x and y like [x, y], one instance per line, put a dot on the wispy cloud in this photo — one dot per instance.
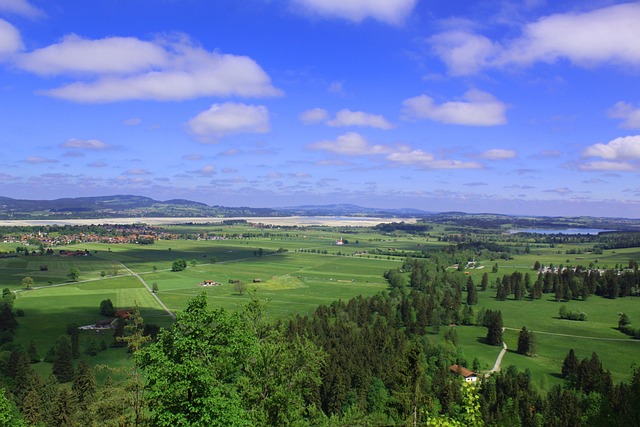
[87, 144]
[347, 117]
[315, 115]
[350, 144]
[498, 154]
[627, 112]
[38, 159]
[354, 144]
[476, 108]
[22, 8]
[388, 11]
[10, 40]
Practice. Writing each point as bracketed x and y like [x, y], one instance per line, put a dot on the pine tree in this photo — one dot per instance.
[526, 342]
[570, 365]
[32, 408]
[84, 384]
[484, 282]
[493, 320]
[64, 408]
[472, 292]
[62, 364]
[33, 352]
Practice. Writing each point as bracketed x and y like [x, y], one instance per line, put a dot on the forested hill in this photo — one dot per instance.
[119, 206]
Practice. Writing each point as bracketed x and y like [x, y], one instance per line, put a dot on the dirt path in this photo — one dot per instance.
[146, 285]
[496, 366]
[579, 336]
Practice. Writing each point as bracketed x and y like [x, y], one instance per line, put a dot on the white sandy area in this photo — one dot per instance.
[290, 221]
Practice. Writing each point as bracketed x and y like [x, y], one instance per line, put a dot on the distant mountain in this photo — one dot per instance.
[123, 206]
[118, 206]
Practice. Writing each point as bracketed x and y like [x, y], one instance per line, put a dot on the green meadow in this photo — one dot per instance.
[293, 271]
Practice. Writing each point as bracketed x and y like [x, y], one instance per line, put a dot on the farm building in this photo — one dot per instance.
[469, 376]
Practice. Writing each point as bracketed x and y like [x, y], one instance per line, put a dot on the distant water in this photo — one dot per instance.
[559, 231]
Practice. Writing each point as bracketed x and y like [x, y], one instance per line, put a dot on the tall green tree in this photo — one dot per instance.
[526, 342]
[191, 368]
[84, 385]
[472, 292]
[63, 363]
[74, 274]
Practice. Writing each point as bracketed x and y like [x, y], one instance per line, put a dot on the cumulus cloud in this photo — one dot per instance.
[88, 144]
[627, 112]
[347, 117]
[10, 40]
[126, 68]
[315, 115]
[388, 11]
[350, 144]
[498, 154]
[477, 108]
[463, 51]
[21, 7]
[601, 36]
[230, 118]
[623, 148]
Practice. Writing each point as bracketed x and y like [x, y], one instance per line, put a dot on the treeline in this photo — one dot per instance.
[391, 227]
[568, 284]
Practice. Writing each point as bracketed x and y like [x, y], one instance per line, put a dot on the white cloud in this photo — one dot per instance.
[350, 144]
[623, 148]
[89, 144]
[207, 170]
[137, 172]
[498, 154]
[358, 118]
[229, 118]
[315, 115]
[609, 34]
[75, 55]
[353, 144]
[631, 115]
[601, 36]
[21, 7]
[477, 108]
[134, 121]
[606, 166]
[126, 68]
[426, 160]
[463, 52]
[388, 11]
[10, 40]
[38, 159]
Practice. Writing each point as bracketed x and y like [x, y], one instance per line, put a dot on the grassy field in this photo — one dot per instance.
[309, 270]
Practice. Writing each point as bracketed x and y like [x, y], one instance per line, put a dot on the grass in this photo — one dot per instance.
[296, 282]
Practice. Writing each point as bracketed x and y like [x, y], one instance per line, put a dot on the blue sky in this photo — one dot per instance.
[529, 107]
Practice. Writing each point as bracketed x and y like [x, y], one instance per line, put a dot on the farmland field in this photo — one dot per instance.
[293, 271]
